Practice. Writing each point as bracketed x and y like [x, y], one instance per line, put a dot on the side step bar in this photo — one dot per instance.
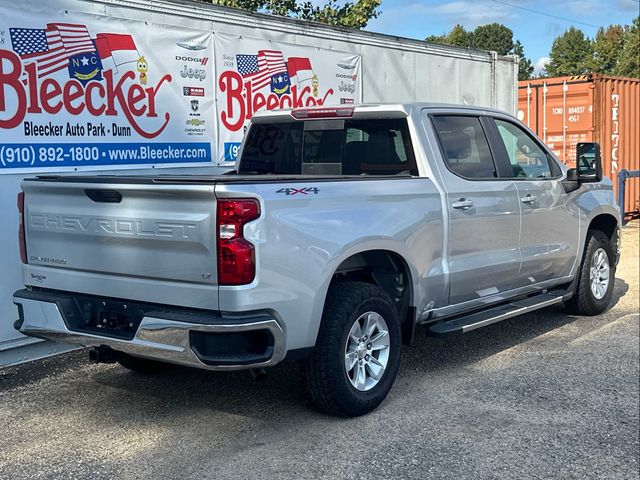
[467, 323]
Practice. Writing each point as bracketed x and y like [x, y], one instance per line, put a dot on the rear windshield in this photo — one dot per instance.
[330, 147]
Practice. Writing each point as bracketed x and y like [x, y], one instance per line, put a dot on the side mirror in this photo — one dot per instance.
[588, 162]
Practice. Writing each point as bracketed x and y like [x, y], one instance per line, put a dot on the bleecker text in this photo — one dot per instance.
[75, 98]
[243, 102]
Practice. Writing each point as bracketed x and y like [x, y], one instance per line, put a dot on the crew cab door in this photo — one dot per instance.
[549, 229]
[484, 212]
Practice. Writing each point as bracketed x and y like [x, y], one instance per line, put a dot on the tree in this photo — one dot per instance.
[494, 36]
[525, 67]
[458, 36]
[607, 46]
[348, 14]
[570, 54]
[629, 59]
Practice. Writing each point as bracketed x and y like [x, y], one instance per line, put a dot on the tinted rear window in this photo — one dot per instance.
[330, 147]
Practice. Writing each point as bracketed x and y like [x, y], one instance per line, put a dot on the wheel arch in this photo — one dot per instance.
[606, 223]
[388, 270]
[609, 225]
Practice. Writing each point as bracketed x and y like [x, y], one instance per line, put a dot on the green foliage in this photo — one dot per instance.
[570, 54]
[615, 50]
[525, 67]
[458, 36]
[494, 36]
[629, 59]
[607, 46]
[348, 14]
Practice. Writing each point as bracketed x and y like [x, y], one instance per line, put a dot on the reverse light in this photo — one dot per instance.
[336, 112]
[21, 236]
[236, 255]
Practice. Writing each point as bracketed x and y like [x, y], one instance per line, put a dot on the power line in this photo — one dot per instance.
[549, 14]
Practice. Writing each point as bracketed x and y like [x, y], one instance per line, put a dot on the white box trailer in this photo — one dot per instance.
[108, 85]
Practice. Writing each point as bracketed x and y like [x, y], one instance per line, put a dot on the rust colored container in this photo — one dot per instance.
[590, 108]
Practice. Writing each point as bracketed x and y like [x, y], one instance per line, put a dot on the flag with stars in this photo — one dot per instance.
[43, 47]
[53, 48]
[84, 62]
[260, 69]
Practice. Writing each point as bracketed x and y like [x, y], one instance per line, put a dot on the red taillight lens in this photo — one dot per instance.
[332, 112]
[21, 236]
[236, 256]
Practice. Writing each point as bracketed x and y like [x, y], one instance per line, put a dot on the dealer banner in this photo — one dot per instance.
[254, 74]
[79, 90]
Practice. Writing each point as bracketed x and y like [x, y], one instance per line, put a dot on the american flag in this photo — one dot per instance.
[51, 48]
[260, 68]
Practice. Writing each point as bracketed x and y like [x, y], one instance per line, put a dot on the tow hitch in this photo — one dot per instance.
[102, 354]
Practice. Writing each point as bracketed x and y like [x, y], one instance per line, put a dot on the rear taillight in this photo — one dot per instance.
[236, 255]
[21, 236]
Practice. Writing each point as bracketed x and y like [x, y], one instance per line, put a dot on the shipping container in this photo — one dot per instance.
[391, 69]
[564, 111]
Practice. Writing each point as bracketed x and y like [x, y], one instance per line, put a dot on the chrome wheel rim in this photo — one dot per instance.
[366, 353]
[599, 273]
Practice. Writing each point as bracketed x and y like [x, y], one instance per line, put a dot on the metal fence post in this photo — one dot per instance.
[622, 178]
[623, 175]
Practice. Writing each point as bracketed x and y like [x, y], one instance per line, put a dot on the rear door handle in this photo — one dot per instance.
[529, 199]
[462, 204]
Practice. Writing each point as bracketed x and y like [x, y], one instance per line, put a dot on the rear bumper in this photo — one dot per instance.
[182, 337]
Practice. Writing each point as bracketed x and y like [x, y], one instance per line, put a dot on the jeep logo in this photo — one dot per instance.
[195, 73]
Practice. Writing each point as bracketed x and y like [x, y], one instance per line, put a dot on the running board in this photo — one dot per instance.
[467, 323]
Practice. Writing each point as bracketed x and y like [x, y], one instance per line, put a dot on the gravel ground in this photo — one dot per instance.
[546, 395]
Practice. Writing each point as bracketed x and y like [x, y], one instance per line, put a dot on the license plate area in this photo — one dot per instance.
[106, 317]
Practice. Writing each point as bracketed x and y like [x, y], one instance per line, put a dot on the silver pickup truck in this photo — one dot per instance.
[340, 231]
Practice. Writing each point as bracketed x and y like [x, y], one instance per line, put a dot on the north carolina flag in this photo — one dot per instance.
[119, 48]
[300, 67]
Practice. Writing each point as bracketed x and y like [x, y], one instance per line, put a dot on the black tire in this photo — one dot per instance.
[324, 371]
[583, 301]
[142, 365]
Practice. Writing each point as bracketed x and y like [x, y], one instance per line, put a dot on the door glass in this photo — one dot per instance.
[465, 146]
[527, 158]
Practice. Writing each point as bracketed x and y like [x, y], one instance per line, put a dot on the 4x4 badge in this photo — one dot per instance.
[295, 191]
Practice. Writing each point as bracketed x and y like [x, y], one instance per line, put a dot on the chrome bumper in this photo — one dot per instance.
[161, 339]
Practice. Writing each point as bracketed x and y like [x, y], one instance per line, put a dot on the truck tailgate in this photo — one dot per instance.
[146, 233]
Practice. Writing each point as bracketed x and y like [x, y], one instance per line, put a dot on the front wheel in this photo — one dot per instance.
[357, 354]
[594, 287]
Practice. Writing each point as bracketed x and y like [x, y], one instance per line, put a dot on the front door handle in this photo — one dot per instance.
[529, 199]
[462, 204]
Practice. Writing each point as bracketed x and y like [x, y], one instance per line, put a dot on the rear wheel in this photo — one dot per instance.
[357, 354]
[594, 287]
[142, 365]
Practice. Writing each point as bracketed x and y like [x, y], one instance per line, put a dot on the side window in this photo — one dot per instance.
[465, 146]
[378, 147]
[527, 158]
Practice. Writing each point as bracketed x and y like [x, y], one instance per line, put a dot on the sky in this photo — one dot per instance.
[421, 18]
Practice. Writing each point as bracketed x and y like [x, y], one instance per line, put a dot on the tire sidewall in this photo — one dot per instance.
[379, 391]
[594, 243]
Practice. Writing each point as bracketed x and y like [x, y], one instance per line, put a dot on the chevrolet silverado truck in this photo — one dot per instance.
[340, 231]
